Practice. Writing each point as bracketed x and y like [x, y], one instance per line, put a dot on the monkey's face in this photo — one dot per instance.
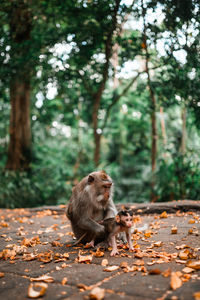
[125, 218]
[101, 185]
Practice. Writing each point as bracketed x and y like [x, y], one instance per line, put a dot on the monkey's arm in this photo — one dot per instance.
[114, 245]
[91, 226]
[111, 210]
[128, 236]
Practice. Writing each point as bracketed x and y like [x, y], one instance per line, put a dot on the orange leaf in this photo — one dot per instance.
[111, 268]
[197, 295]
[64, 281]
[36, 294]
[163, 215]
[176, 282]
[97, 293]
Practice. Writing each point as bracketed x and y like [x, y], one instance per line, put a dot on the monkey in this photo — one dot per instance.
[90, 203]
[121, 223]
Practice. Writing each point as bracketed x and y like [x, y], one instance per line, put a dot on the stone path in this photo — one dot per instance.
[37, 242]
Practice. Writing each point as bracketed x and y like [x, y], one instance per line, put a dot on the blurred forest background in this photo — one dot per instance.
[99, 84]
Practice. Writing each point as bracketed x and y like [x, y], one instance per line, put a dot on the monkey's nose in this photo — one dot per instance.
[108, 184]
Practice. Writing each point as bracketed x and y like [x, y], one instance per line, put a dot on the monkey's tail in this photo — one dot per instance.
[79, 240]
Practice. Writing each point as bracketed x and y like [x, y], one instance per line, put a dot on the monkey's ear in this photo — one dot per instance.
[90, 179]
[117, 218]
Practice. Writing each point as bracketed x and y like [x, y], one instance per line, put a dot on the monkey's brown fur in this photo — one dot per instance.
[90, 203]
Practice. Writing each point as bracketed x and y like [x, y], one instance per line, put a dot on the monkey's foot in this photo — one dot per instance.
[114, 252]
[91, 244]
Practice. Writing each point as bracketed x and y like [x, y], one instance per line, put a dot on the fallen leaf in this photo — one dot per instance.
[99, 253]
[197, 295]
[188, 270]
[191, 221]
[2, 274]
[97, 293]
[175, 282]
[154, 272]
[64, 281]
[56, 244]
[158, 244]
[174, 230]
[183, 255]
[163, 215]
[31, 242]
[36, 294]
[166, 273]
[111, 268]
[190, 231]
[45, 257]
[104, 262]
[194, 265]
[84, 258]
[124, 264]
[44, 278]
[181, 247]
[29, 256]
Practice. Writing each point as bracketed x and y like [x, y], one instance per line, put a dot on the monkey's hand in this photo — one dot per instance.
[100, 230]
[131, 247]
[114, 252]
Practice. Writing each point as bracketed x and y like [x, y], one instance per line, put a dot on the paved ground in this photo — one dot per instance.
[37, 242]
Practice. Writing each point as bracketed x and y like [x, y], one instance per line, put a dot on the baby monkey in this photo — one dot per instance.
[121, 223]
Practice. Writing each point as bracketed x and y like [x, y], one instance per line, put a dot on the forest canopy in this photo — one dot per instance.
[99, 84]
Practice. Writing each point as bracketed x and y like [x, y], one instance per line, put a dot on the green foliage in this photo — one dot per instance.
[178, 178]
[62, 135]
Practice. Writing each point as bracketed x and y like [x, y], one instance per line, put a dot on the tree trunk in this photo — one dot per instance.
[97, 139]
[153, 105]
[184, 131]
[19, 150]
[162, 122]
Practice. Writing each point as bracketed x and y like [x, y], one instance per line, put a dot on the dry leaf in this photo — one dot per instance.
[163, 215]
[29, 256]
[191, 221]
[36, 294]
[66, 255]
[104, 262]
[56, 244]
[111, 268]
[31, 242]
[83, 286]
[45, 257]
[174, 230]
[183, 255]
[166, 273]
[188, 270]
[154, 272]
[64, 281]
[99, 253]
[44, 278]
[124, 264]
[97, 293]
[194, 264]
[84, 258]
[181, 247]
[7, 253]
[158, 244]
[176, 282]
[2, 274]
[197, 295]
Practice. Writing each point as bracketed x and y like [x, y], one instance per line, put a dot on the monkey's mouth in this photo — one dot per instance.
[102, 199]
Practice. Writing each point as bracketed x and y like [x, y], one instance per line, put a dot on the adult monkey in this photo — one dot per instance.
[90, 203]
